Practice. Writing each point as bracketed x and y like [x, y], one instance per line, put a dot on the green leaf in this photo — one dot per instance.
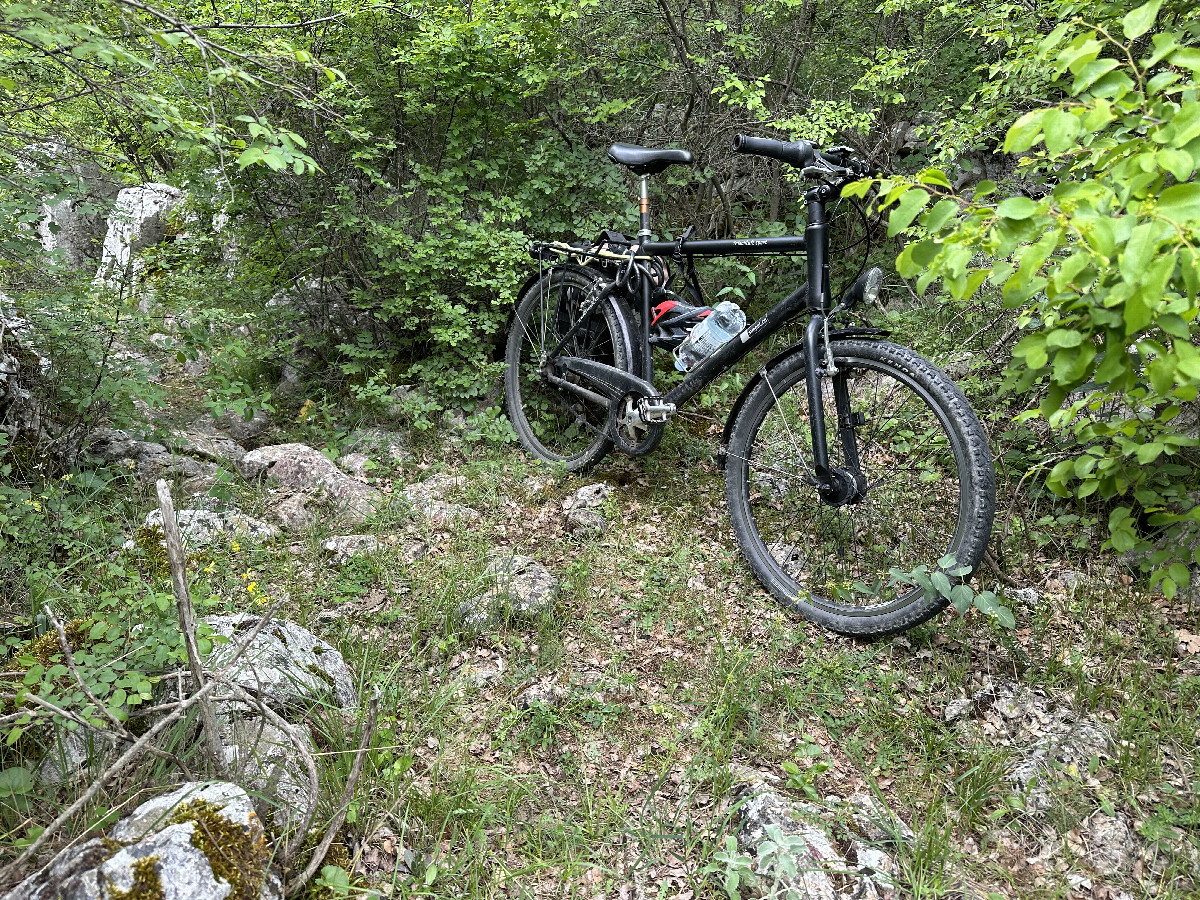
[1138, 21]
[1016, 208]
[911, 203]
[1180, 203]
[1023, 133]
[1061, 128]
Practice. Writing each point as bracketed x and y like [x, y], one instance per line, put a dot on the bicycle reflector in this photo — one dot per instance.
[866, 287]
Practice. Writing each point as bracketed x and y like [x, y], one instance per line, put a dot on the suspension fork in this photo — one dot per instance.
[816, 409]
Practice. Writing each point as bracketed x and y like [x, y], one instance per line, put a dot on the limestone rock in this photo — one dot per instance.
[73, 754]
[586, 523]
[203, 527]
[1109, 845]
[428, 498]
[210, 445]
[959, 709]
[289, 666]
[138, 220]
[20, 366]
[517, 587]
[150, 460]
[346, 546]
[590, 496]
[545, 694]
[168, 848]
[308, 474]
[264, 760]
[356, 464]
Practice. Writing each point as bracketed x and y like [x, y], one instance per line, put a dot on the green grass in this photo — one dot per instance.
[675, 665]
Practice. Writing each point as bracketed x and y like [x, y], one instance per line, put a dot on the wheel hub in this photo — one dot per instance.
[843, 487]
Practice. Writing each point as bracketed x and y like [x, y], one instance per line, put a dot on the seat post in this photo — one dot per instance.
[644, 208]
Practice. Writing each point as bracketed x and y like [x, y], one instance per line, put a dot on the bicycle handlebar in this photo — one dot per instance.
[803, 155]
[795, 153]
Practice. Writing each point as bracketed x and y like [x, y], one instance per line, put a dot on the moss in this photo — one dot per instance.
[236, 855]
[146, 883]
[154, 552]
[321, 674]
[46, 649]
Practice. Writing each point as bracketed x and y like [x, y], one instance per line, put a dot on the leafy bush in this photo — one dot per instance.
[1102, 262]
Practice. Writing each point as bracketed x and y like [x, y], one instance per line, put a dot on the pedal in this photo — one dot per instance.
[655, 411]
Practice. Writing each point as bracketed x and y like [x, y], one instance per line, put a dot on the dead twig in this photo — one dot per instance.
[187, 619]
[364, 744]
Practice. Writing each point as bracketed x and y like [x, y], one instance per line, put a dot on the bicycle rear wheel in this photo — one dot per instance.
[553, 423]
[930, 488]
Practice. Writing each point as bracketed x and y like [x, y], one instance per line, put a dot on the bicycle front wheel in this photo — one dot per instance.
[557, 425]
[927, 472]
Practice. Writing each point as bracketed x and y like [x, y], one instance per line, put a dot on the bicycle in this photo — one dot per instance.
[826, 526]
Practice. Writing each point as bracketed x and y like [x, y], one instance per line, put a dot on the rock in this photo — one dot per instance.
[958, 709]
[208, 445]
[150, 460]
[74, 225]
[241, 429]
[290, 387]
[1027, 597]
[415, 551]
[74, 754]
[545, 694]
[289, 666]
[203, 841]
[265, 761]
[138, 220]
[428, 498]
[293, 514]
[589, 496]
[517, 587]
[1047, 737]
[377, 443]
[1109, 845]
[20, 367]
[308, 474]
[586, 523]
[401, 394]
[1070, 579]
[203, 527]
[346, 546]
[355, 464]
[814, 858]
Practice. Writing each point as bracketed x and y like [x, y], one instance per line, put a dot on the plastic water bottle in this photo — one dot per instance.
[714, 330]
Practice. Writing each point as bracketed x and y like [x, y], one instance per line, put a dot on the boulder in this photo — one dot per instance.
[200, 842]
[345, 547]
[71, 222]
[210, 445]
[516, 587]
[546, 694]
[288, 666]
[150, 460]
[138, 220]
[264, 760]
[428, 497]
[305, 473]
[203, 527]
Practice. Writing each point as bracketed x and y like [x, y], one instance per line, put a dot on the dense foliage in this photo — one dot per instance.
[384, 166]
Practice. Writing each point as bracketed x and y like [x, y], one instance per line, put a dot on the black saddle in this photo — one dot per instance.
[646, 161]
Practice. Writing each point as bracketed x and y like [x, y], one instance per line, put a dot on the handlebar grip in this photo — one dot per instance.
[794, 153]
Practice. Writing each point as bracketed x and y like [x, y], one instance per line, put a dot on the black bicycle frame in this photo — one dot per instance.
[815, 242]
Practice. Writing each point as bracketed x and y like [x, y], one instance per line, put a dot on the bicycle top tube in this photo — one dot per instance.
[765, 246]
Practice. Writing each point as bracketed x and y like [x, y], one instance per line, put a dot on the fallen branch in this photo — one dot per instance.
[364, 744]
[187, 619]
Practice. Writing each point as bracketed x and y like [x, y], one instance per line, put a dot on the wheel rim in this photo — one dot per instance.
[840, 559]
[564, 425]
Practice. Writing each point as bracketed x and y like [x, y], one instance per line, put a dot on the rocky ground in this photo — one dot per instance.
[584, 692]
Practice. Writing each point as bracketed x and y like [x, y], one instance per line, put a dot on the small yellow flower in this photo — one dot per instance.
[133, 464]
[246, 575]
[209, 568]
[252, 586]
[67, 477]
[236, 548]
